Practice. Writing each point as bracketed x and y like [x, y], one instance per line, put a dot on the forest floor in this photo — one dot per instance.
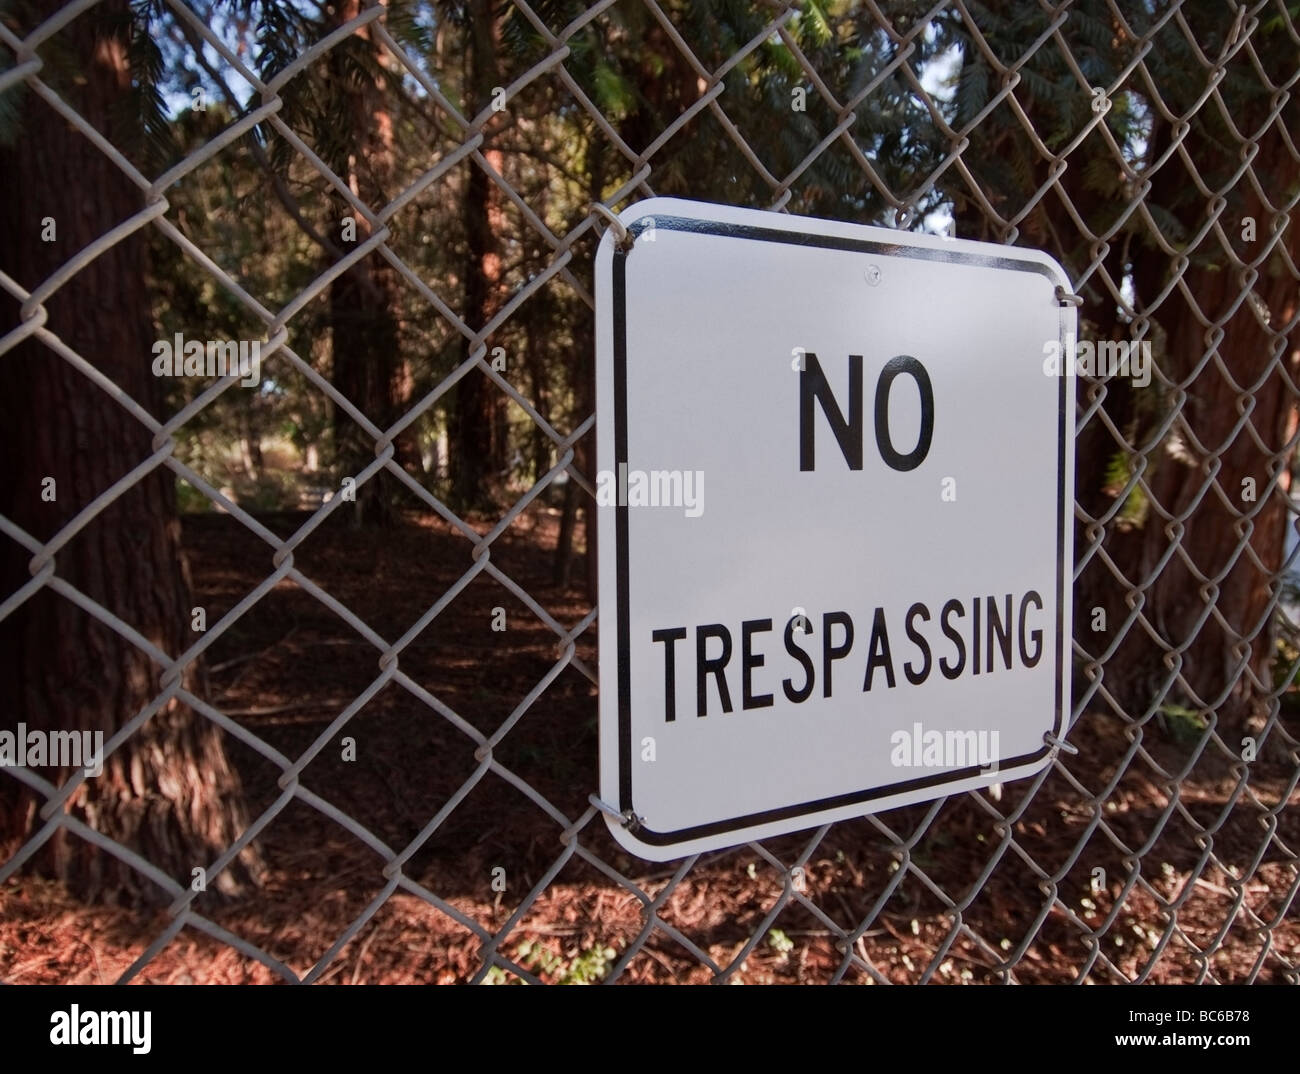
[290, 666]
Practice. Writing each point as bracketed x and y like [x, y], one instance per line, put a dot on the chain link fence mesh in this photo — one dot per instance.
[1024, 903]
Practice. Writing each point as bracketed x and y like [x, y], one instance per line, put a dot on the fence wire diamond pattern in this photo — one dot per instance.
[1251, 903]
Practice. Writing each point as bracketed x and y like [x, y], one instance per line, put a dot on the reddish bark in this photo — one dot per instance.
[169, 793]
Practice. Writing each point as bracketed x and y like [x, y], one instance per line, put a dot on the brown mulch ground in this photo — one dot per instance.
[290, 666]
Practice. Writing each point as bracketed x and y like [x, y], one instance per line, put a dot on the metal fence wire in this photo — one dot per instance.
[1139, 868]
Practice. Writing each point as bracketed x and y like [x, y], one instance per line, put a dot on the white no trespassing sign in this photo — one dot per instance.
[834, 521]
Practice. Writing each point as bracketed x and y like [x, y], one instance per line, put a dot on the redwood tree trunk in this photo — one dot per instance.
[1218, 487]
[477, 426]
[1234, 529]
[365, 335]
[169, 793]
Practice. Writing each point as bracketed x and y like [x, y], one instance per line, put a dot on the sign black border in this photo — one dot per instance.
[797, 238]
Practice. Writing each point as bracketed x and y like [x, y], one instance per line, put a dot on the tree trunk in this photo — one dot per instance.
[169, 793]
[583, 373]
[364, 327]
[584, 391]
[1226, 526]
[250, 446]
[562, 566]
[477, 426]
[585, 449]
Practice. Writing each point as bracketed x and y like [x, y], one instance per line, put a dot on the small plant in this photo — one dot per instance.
[496, 976]
[590, 966]
[1119, 472]
[583, 967]
[779, 941]
[1286, 654]
[534, 955]
[1183, 724]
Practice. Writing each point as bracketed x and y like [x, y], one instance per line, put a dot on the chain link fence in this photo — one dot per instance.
[1139, 854]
